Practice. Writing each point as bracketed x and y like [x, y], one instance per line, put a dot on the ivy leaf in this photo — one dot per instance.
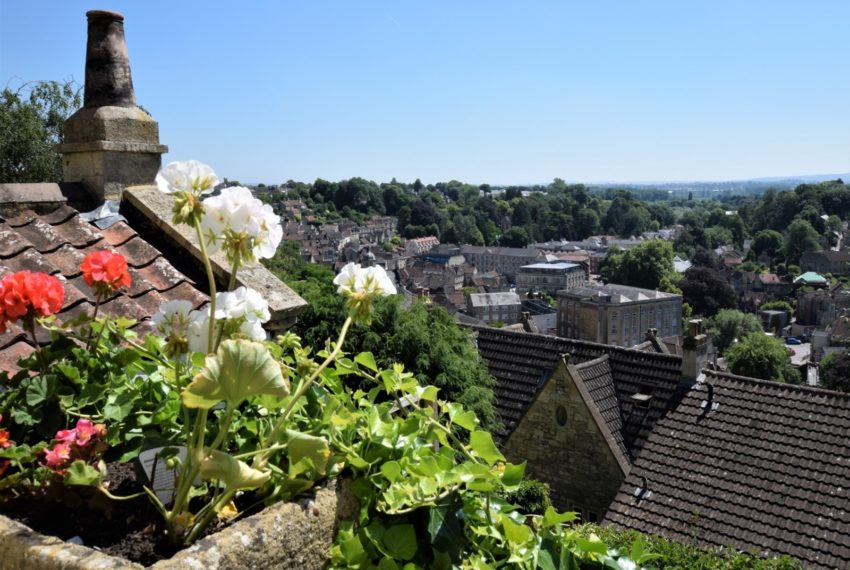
[512, 476]
[391, 470]
[464, 418]
[81, 473]
[446, 531]
[482, 443]
[552, 517]
[368, 360]
[239, 369]
[400, 541]
[514, 532]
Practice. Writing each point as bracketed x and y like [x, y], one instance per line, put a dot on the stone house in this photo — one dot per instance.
[580, 412]
[757, 465]
[834, 262]
[111, 151]
[418, 246]
[617, 314]
[550, 277]
[504, 260]
[505, 308]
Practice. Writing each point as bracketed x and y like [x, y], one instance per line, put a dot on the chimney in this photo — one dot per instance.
[694, 352]
[110, 143]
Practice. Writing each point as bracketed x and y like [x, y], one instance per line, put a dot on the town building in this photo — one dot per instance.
[418, 246]
[617, 314]
[550, 277]
[503, 308]
[834, 262]
[504, 260]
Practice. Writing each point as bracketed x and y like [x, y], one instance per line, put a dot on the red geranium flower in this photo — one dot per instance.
[25, 290]
[106, 271]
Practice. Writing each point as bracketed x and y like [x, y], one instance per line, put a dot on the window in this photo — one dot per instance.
[561, 415]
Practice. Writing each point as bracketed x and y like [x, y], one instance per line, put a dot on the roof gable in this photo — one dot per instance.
[522, 362]
[757, 465]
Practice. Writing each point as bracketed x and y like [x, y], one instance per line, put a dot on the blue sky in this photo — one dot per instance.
[497, 92]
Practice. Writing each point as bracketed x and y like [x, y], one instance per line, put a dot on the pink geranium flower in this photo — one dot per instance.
[58, 456]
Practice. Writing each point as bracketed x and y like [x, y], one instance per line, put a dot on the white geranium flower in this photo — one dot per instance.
[199, 330]
[256, 307]
[266, 230]
[236, 210]
[253, 330]
[378, 282]
[172, 319]
[186, 176]
[242, 303]
[350, 279]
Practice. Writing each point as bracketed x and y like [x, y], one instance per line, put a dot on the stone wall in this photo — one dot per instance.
[574, 459]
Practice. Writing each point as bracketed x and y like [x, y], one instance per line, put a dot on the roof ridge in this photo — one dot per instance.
[776, 384]
[591, 363]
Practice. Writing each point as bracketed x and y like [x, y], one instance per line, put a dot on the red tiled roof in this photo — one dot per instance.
[56, 243]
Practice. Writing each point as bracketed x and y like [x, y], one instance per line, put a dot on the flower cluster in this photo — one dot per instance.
[240, 311]
[361, 285]
[106, 272]
[241, 224]
[4, 443]
[84, 442]
[28, 294]
[188, 180]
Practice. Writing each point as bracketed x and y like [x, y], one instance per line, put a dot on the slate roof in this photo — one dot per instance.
[522, 362]
[767, 470]
[56, 243]
[599, 380]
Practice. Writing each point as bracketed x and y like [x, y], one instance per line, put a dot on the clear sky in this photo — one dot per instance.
[497, 92]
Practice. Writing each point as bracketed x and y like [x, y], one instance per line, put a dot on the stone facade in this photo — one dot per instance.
[491, 307]
[576, 459]
[616, 314]
[550, 277]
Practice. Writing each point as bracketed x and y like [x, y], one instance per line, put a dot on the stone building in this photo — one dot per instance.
[550, 277]
[617, 314]
[505, 260]
[418, 246]
[834, 262]
[505, 308]
[578, 412]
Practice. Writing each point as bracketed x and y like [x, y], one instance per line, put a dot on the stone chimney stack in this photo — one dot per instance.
[110, 143]
[695, 347]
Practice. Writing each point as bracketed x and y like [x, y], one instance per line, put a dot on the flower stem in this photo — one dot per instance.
[211, 280]
[30, 324]
[260, 460]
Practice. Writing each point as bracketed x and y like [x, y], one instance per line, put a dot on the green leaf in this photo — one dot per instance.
[482, 443]
[306, 452]
[391, 470]
[512, 476]
[239, 369]
[40, 390]
[81, 473]
[464, 418]
[400, 541]
[592, 545]
[515, 533]
[368, 360]
[233, 473]
[552, 518]
[445, 530]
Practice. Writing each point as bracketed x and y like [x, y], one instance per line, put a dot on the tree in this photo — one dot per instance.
[31, 121]
[728, 325]
[648, 265]
[758, 355]
[802, 237]
[707, 291]
[514, 237]
[835, 371]
[769, 241]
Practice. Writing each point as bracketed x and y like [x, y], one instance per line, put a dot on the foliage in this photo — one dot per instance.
[707, 291]
[672, 555]
[758, 355]
[31, 120]
[835, 371]
[779, 306]
[648, 265]
[728, 325]
[802, 237]
[768, 241]
[531, 497]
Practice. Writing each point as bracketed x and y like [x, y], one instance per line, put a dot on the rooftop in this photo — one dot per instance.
[617, 293]
[754, 464]
[557, 266]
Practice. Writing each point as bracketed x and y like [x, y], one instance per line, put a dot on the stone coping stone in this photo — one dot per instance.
[285, 535]
[284, 303]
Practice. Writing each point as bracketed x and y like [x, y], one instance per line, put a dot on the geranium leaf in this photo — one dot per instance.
[233, 473]
[312, 450]
[239, 369]
[81, 473]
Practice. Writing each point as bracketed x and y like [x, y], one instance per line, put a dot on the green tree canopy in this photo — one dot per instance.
[758, 355]
[728, 325]
[835, 371]
[769, 241]
[707, 291]
[648, 265]
[802, 237]
[31, 121]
